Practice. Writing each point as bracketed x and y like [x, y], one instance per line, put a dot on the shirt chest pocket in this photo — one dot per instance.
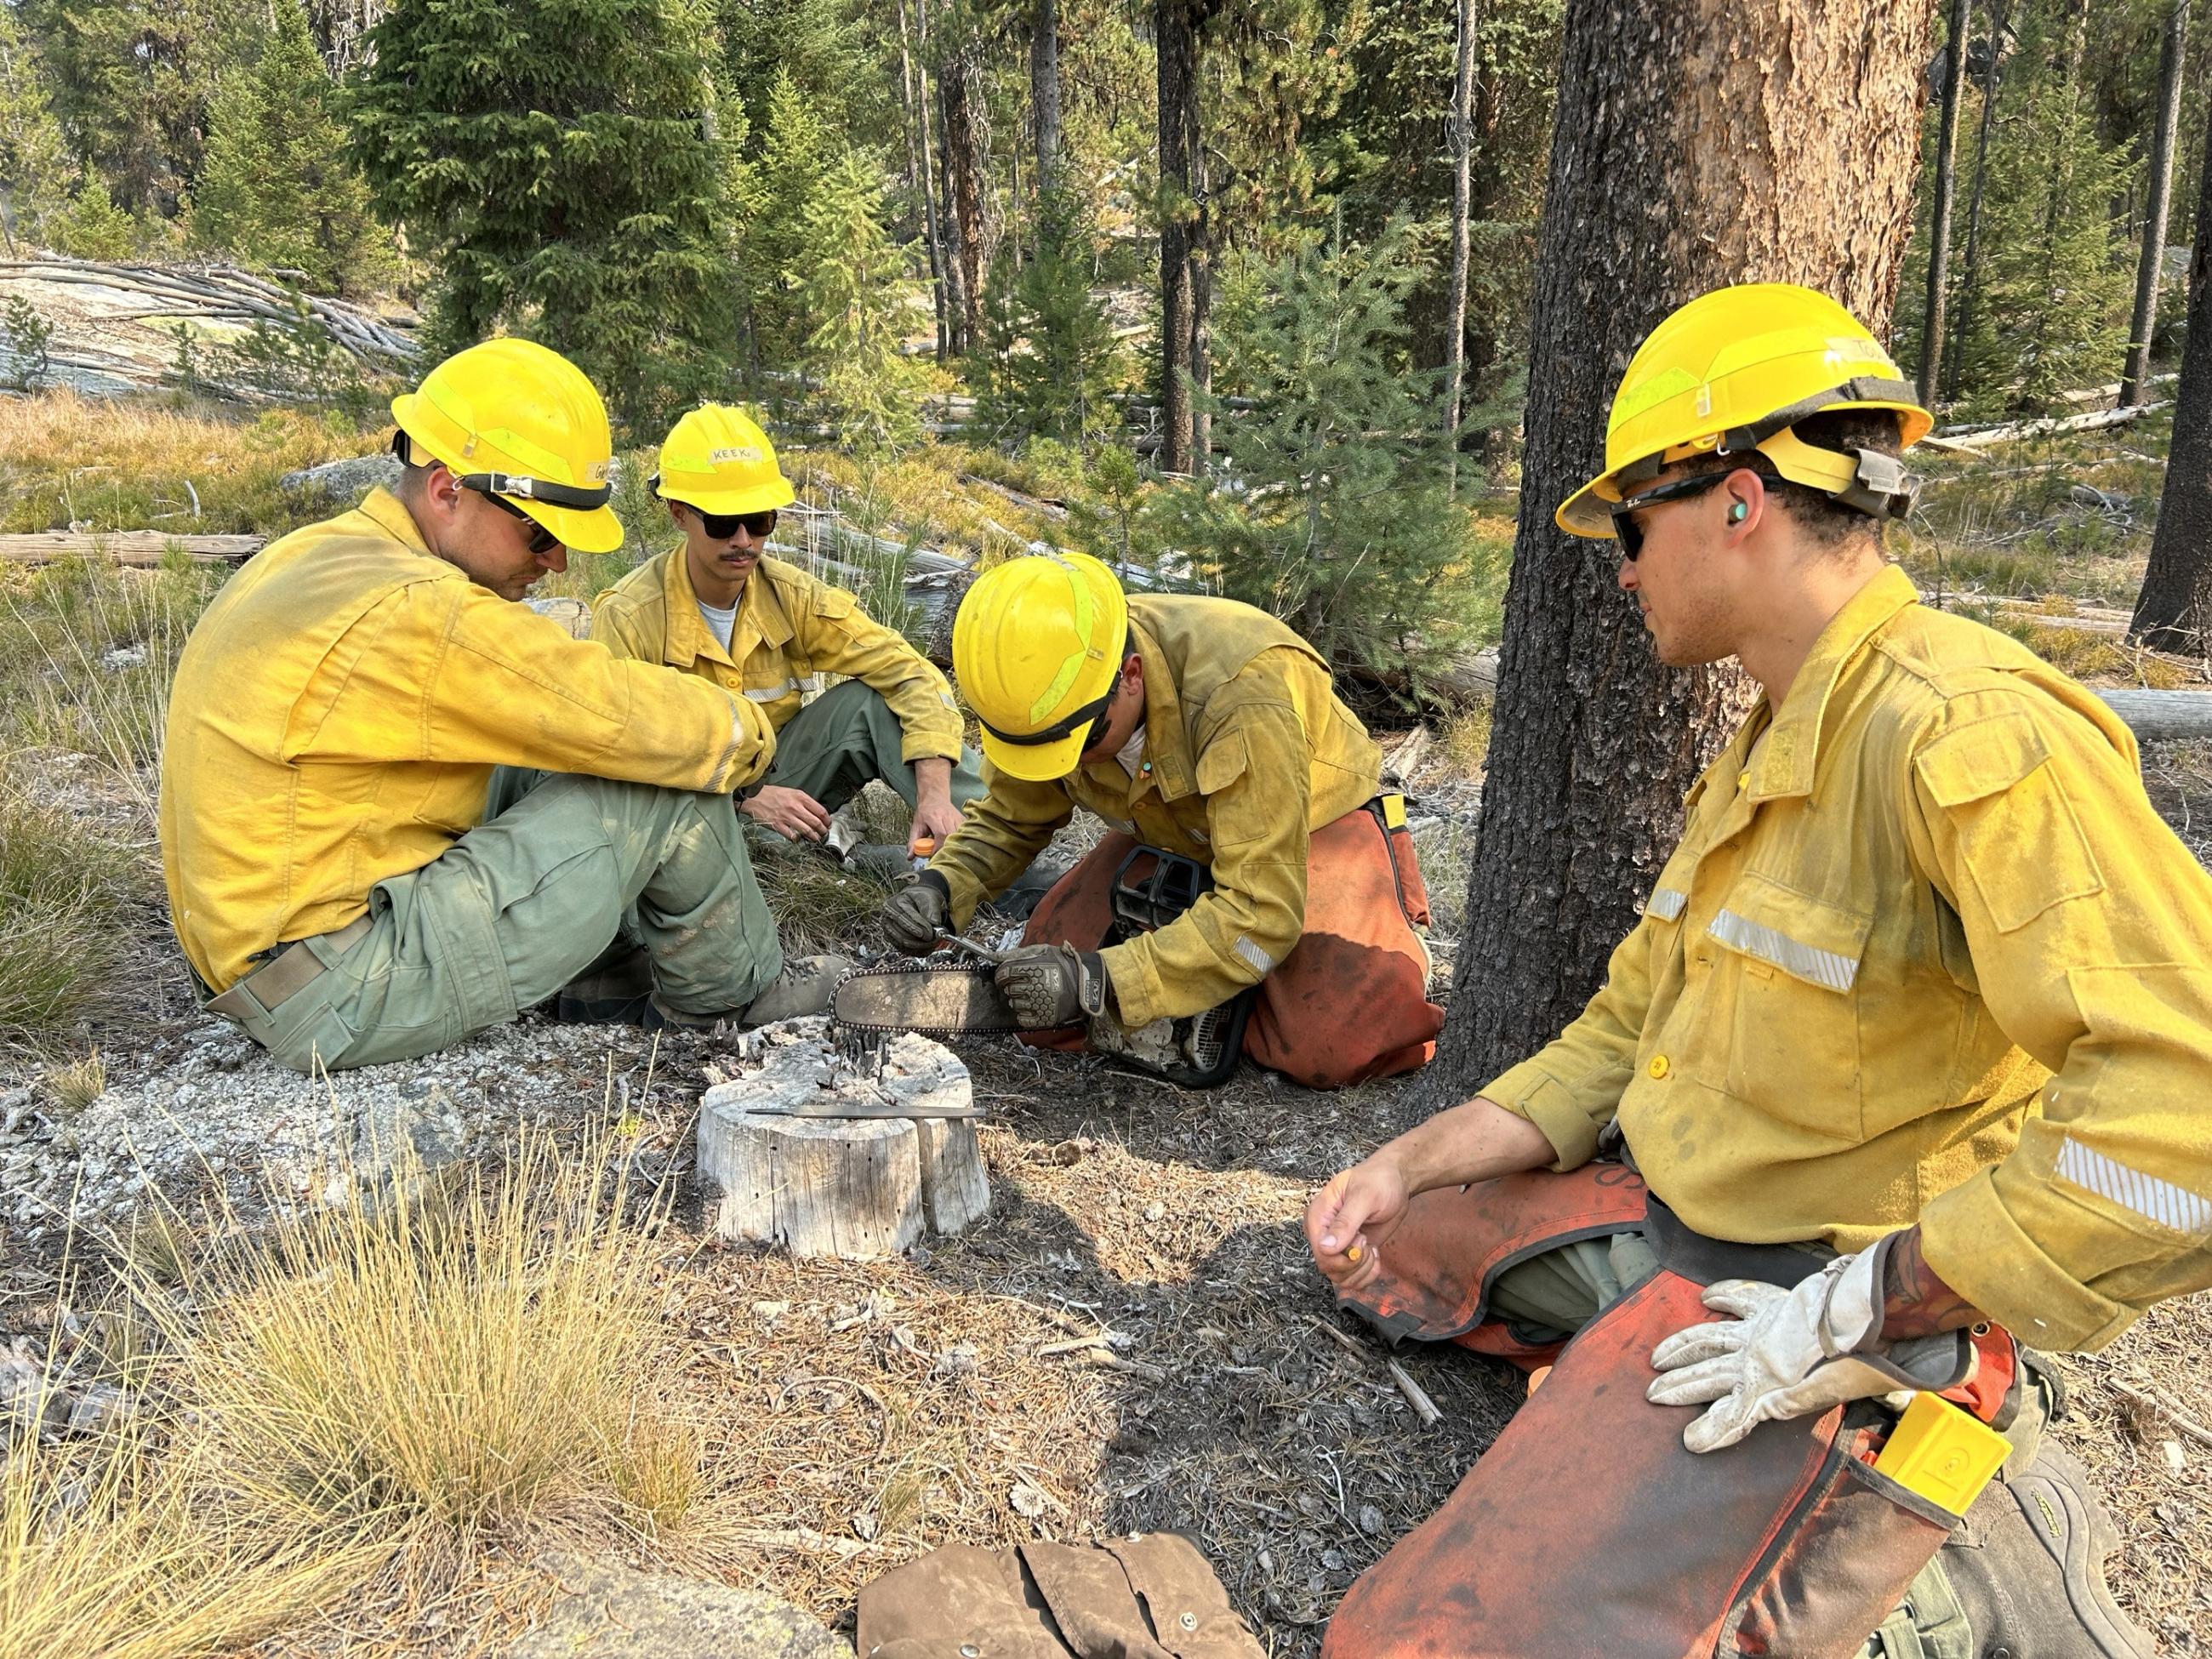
[1783, 1010]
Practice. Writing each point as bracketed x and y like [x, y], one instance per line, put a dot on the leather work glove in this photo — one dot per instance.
[919, 914]
[1052, 985]
[1784, 1353]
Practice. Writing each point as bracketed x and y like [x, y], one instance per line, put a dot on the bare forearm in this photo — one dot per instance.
[932, 778]
[1915, 1302]
[1477, 1140]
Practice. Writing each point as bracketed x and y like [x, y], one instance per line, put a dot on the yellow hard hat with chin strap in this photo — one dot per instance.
[1734, 371]
[1037, 646]
[514, 419]
[717, 459]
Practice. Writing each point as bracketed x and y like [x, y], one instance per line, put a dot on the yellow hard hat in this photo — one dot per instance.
[1037, 645]
[717, 459]
[1732, 371]
[514, 419]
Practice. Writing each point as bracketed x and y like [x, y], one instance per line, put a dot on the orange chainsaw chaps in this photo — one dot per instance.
[1351, 1000]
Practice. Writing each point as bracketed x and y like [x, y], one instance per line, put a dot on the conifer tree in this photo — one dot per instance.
[92, 226]
[564, 168]
[36, 169]
[796, 154]
[868, 390]
[1049, 357]
[279, 189]
[1336, 514]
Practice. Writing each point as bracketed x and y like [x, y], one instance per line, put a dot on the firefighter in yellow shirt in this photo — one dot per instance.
[345, 706]
[720, 607]
[1907, 1059]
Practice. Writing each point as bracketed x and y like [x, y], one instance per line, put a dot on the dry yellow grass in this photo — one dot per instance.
[2091, 656]
[108, 1550]
[462, 1363]
[142, 464]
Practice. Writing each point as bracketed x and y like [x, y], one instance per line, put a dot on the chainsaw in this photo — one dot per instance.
[942, 997]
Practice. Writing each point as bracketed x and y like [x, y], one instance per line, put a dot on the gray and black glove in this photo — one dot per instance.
[1048, 986]
[919, 914]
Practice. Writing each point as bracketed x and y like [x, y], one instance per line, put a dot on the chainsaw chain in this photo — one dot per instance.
[953, 965]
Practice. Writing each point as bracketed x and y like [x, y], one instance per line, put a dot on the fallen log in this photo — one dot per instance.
[141, 548]
[2162, 716]
[1972, 441]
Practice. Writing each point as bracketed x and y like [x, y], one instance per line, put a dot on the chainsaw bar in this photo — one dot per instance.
[935, 1001]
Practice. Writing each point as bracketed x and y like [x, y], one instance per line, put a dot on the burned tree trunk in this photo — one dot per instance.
[1594, 743]
[2161, 202]
[1182, 224]
[1939, 216]
[2174, 609]
[968, 180]
[921, 164]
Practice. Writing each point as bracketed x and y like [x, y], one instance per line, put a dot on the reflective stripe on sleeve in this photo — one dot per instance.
[770, 693]
[1791, 956]
[2158, 1200]
[1254, 955]
[1666, 904]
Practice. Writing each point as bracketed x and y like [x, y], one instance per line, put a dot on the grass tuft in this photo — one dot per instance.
[63, 897]
[76, 1084]
[442, 1369]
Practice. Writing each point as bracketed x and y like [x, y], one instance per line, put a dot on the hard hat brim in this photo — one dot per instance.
[1040, 763]
[1588, 512]
[760, 498]
[580, 529]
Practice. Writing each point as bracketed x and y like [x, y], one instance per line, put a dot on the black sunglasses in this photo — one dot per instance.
[1630, 534]
[720, 526]
[542, 540]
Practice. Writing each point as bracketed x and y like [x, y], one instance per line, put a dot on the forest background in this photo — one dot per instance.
[856, 216]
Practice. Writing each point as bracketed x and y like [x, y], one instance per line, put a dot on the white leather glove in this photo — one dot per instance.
[1786, 1353]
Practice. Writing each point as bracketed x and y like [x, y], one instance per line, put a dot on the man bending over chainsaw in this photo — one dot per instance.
[1252, 858]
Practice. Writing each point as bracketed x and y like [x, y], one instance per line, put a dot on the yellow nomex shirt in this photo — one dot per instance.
[1246, 751]
[789, 626]
[1924, 953]
[338, 712]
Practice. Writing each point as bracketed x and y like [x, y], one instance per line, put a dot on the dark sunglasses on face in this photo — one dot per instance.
[1630, 534]
[542, 540]
[720, 526]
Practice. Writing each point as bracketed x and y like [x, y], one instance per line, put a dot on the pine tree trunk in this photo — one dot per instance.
[1202, 303]
[1462, 144]
[1174, 33]
[1938, 226]
[2161, 202]
[2174, 610]
[1969, 278]
[966, 169]
[913, 88]
[1593, 743]
[1044, 90]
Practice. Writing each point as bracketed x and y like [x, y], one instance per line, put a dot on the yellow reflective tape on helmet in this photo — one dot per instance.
[1085, 610]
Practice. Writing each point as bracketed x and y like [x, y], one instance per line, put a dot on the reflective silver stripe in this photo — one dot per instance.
[770, 693]
[1789, 955]
[1252, 954]
[2161, 1201]
[1666, 904]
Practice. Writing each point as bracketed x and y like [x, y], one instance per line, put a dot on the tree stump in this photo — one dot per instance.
[848, 1186]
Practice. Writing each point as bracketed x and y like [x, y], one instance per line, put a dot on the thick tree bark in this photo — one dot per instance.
[1462, 145]
[1970, 277]
[1694, 146]
[2161, 202]
[2174, 609]
[1182, 223]
[921, 165]
[1939, 218]
[967, 171]
[1044, 90]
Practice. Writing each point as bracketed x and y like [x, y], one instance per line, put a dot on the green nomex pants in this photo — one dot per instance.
[846, 736]
[522, 903]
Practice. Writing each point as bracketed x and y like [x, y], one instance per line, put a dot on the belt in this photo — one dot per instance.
[285, 975]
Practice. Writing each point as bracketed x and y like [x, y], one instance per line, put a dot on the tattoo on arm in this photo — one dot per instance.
[1915, 1302]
